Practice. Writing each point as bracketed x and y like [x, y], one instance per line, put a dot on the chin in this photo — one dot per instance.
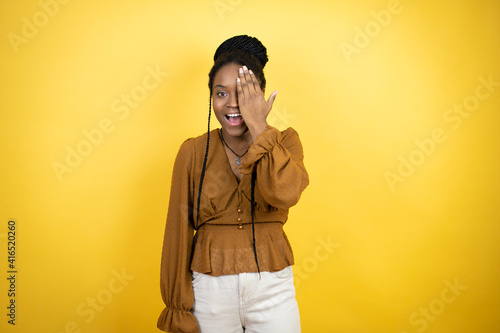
[237, 131]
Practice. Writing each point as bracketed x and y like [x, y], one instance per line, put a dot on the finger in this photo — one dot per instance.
[271, 99]
[256, 84]
[239, 89]
[248, 79]
[243, 82]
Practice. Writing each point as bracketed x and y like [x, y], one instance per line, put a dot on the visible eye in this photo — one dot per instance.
[221, 94]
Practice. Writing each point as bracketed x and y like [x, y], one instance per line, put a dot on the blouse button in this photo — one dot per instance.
[238, 219]
[239, 210]
[240, 227]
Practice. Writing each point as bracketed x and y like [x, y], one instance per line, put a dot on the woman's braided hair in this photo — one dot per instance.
[245, 51]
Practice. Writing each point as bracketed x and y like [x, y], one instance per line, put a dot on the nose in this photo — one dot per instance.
[232, 101]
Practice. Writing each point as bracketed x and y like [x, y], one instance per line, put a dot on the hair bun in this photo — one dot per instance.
[246, 44]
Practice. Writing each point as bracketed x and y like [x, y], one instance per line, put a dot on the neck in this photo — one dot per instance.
[238, 143]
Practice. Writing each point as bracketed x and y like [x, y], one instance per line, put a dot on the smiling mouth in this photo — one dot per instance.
[234, 119]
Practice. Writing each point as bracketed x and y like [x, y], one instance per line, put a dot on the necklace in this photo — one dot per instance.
[237, 159]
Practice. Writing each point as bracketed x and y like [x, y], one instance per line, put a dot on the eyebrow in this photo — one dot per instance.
[220, 85]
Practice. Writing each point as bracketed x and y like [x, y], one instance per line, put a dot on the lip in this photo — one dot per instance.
[234, 124]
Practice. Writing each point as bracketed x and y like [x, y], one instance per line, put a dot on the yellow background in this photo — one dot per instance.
[392, 249]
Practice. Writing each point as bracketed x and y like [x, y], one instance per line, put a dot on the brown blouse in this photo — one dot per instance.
[225, 239]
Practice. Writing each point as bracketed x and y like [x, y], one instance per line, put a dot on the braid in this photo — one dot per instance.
[252, 196]
[203, 171]
[246, 44]
[245, 51]
[242, 50]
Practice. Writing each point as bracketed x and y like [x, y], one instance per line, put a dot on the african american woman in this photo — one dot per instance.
[226, 261]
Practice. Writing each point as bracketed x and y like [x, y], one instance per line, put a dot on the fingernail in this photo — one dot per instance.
[245, 68]
[241, 70]
[251, 73]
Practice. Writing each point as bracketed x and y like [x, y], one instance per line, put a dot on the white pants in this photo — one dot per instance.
[244, 303]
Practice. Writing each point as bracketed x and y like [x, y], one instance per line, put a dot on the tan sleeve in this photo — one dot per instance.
[278, 158]
[175, 274]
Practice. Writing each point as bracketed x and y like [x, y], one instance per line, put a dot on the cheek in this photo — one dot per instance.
[218, 106]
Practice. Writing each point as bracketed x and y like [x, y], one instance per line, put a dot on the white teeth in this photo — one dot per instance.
[233, 115]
